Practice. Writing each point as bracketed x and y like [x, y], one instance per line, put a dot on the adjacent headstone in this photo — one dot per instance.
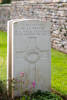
[29, 52]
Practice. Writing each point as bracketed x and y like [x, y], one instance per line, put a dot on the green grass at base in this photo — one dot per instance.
[59, 71]
[3, 54]
[58, 66]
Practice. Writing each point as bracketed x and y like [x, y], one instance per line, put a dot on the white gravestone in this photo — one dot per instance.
[30, 52]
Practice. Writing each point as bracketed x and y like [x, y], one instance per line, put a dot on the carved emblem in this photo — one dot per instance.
[32, 56]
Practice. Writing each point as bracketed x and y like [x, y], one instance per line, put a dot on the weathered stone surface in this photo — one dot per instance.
[4, 16]
[32, 53]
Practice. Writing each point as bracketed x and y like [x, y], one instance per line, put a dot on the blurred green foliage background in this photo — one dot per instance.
[6, 1]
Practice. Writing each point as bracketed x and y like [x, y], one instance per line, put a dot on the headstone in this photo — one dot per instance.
[29, 52]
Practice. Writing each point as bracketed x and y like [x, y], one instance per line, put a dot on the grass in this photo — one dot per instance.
[3, 54]
[58, 66]
[59, 71]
